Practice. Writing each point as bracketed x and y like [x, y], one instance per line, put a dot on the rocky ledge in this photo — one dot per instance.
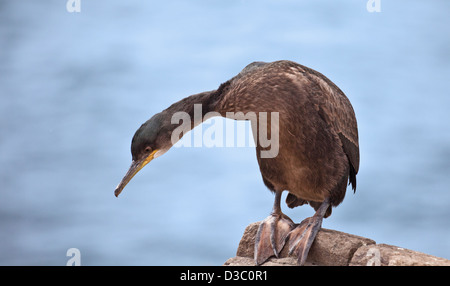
[335, 248]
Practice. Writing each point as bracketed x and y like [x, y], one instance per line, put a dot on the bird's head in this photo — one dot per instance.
[151, 140]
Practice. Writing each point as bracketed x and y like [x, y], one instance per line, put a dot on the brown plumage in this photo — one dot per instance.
[318, 150]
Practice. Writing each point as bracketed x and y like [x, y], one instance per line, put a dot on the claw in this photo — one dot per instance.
[302, 237]
[271, 236]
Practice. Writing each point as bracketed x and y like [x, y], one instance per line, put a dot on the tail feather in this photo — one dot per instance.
[352, 178]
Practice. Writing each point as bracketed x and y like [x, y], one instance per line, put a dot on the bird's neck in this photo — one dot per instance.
[198, 107]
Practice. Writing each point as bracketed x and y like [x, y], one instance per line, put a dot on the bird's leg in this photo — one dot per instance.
[302, 237]
[272, 233]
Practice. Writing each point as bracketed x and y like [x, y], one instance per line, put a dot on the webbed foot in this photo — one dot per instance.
[271, 236]
[302, 237]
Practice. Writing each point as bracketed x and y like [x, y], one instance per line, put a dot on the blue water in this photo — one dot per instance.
[74, 87]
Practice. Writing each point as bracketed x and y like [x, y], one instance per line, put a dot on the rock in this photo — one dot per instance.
[390, 255]
[247, 261]
[335, 248]
[246, 246]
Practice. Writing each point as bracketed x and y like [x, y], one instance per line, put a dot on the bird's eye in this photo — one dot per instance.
[148, 149]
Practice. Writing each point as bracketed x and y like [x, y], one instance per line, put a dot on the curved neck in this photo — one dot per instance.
[195, 106]
[182, 116]
[208, 101]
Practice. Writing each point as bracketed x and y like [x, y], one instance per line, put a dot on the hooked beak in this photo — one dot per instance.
[135, 167]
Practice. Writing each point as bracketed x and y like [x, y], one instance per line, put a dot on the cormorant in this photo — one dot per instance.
[317, 152]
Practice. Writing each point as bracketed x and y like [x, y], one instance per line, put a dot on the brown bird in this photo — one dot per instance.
[314, 151]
